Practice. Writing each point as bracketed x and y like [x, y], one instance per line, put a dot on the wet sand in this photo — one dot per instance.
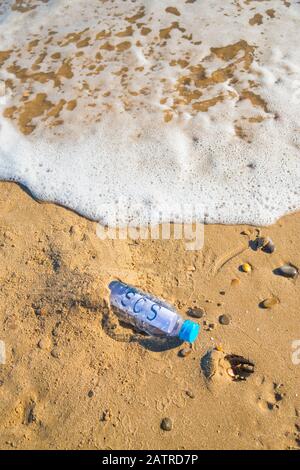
[74, 378]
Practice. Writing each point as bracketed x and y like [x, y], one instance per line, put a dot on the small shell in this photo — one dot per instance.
[287, 270]
[265, 244]
[260, 242]
[230, 372]
[269, 246]
[246, 268]
[248, 368]
[246, 232]
[269, 303]
[105, 415]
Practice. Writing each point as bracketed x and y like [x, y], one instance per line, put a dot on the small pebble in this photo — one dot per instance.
[55, 353]
[184, 352]
[166, 424]
[211, 326]
[191, 268]
[288, 270]
[190, 394]
[90, 393]
[279, 396]
[224, 319]
[269, 303]
[40, 312]
[105, 415]
[196, 312]
[246, 268]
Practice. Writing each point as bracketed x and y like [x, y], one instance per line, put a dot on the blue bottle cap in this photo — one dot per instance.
[189, 331]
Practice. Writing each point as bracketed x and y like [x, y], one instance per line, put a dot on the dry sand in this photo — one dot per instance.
[73, 379]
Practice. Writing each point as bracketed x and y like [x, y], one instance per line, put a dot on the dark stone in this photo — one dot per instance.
[166, 424]
[224, 319]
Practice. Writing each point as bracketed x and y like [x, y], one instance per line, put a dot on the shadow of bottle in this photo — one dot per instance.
[111, 323]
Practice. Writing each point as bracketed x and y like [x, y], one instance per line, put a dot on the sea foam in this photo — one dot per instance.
[153, 106]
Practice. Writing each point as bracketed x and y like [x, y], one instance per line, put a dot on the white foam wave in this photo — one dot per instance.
[238, 161]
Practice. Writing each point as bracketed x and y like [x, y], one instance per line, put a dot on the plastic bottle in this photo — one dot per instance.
[150, 314]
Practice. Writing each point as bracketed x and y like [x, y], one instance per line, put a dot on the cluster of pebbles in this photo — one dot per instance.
[216, 361]
[288, 270]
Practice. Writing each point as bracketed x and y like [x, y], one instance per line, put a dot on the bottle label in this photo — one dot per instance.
[145, 310]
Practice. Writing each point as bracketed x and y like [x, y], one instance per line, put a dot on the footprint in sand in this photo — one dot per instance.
[271, 397]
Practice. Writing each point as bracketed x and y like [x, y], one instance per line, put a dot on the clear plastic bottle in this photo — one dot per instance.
[150, 314]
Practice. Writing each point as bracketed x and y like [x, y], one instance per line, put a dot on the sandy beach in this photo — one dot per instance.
[75, 378]
[133, 114]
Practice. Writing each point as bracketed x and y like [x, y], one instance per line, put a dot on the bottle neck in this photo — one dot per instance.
[177, 327]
